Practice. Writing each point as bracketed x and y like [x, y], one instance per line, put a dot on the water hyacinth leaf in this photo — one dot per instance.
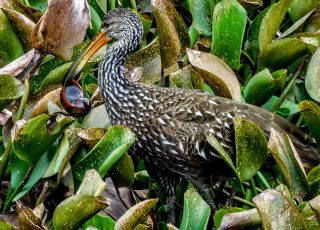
[196, 211]
[229, 24]
[62, 27]
[312, 81]
[27, 219]
[313, 24]
[92, 184]
[100, 222]
[201, 12]
[10, 89]
[312, 208]
[296, 25]
[271, 22]
[37, 173]
[311, 115]
[216, 73]
[173, 32]
[10, 46]
[149, 60]
[68, 139]
[95, 22]
[218, 147]
[97, 7]
[187, 78]
[38, 134]
[289, 162]
[90, 137]
[107, 151]
[5, 225]
[314, 182]
[263, 85]
[277, 212]
[300, 8]
[251, 3]
[136, 213]
[254, 31]
[42, 105]
[122, 172]
[91, 121]
[283, 52]
[17, 67]
[22, 25]
[251, 148]
[75, 210]
[55, 76]
[233, 218]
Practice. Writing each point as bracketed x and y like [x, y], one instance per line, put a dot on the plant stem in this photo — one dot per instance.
[239, 199]
[24, 100]
[112, 4]
[263, 180]
[248, 57]
[5, 159]
[253, 188]
[248, 185]
[286, 91]
[133, 5]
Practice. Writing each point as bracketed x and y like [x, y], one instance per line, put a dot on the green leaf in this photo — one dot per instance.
[229, 24]
[271, 23]
[287, 158]
[37, 135]
[196, 211]
[75, 210]
[55, 76]
[311, 114]
[187, 78]
[95, 22]
[314, 182]
[10, 47]
[100, 222]
[37, 172]
[300, 8]
[97, 7]
[251, 148]
[277, 212]
[173, 32]
[312, 81]
[149, 59]
[218, 147]
[109, 150]
[217, 73]
[92, 184]
[122, 172]
[201, 12]
[68, 139]
[22, 25]
[263, 85]
[283, 52]
[233, 218]
[10, 89]
[132, 217]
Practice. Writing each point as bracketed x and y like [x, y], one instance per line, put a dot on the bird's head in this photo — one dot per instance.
[121, 25]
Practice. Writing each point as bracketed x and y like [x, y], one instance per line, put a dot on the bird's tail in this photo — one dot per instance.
[304, 144]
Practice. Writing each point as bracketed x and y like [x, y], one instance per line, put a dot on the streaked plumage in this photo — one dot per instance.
[171, 124]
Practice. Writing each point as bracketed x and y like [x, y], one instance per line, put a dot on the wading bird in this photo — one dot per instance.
[171, 125]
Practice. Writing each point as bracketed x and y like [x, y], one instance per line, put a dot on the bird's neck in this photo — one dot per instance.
[114, 87]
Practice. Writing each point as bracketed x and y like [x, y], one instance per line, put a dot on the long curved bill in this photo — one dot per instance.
[95, 44]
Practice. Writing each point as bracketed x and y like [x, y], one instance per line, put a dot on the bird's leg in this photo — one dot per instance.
[205, 192]
[171, 209]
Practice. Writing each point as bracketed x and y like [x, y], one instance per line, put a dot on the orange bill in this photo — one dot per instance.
[95, 44]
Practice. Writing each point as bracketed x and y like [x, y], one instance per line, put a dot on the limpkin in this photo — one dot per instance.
[170, 125]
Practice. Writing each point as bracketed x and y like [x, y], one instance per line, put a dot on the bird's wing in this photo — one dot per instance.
[201, 113]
